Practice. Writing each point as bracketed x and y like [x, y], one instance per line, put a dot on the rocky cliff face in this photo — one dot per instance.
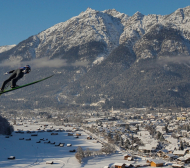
[115, 48]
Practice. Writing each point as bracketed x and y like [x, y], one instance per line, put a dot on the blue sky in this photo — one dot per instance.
[20, 19]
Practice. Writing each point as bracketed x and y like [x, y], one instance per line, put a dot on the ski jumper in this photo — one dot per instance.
[16, 75]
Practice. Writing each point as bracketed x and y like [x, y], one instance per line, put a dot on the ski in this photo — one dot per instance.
[25, 85]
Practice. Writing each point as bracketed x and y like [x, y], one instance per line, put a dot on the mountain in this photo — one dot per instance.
[107, 59]
[91, 28]
[5, 48]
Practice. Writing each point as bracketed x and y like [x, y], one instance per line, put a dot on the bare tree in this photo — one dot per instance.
[80, 154]
[88, 152]
[108, 149]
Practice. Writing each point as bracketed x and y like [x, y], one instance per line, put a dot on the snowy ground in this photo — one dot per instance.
[31, 154]
[35, 155]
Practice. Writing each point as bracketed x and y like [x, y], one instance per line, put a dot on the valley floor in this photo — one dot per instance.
[28, 153]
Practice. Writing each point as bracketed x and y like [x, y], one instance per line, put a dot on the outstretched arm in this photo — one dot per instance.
[9, 72]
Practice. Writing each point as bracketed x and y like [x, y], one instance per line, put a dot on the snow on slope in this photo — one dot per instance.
[180, 20]
[137, 25]
[88, 26]
[6, 48]
[35, 155]
[109, 27]
[32, 154]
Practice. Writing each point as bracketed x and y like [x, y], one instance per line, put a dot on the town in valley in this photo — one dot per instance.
[140, 137]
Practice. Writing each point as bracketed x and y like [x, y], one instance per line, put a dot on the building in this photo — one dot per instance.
[170, 156]
[119, 165]
[163, 152]
[156, 163]
[179, 152]
[181, 118]
[177, 166]
[127, 156]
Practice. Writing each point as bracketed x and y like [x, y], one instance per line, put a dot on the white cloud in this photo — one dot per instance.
[42, 63]
[175, 59]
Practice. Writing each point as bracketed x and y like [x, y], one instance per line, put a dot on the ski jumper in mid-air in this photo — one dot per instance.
[16, 75]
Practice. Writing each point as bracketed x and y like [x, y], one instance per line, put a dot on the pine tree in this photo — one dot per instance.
[121, 142]
[137, 127]
[166, 128]
[181, 146]
[127, 144]
[161, 137]
[188, 128]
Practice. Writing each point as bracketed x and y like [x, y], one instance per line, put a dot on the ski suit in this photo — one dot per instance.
[16, 75]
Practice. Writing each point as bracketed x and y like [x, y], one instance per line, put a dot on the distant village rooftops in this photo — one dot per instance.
[93, 119]
[157, 161]
[179, 152]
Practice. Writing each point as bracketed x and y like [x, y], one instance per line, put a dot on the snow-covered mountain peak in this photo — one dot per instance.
[122, 16]
[87, 12]
[180, 16]
[90, 10]
[113, 12]
[108, 27]
[182, 11]
[95, 36]
[138, 15]
[82, 16]
[136, 26]
[180, 20]
[88, 26]
[6, 48]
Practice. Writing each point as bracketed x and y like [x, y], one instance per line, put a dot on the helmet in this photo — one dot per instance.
[27, 69]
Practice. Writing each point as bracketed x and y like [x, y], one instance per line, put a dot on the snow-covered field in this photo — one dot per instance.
[32, 154]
